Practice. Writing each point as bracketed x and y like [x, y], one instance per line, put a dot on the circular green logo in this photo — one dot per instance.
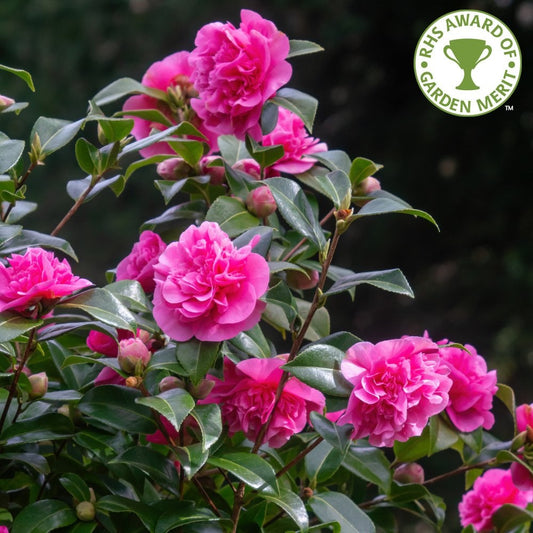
[467, 63]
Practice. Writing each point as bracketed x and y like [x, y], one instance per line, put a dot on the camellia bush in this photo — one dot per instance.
[205, 387]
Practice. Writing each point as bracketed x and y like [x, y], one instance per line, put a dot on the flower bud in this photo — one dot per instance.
[409, 473]
[85, 511]
[249, 166]
[133, 355]
[201, 390]
[133, 382]
[365, 187]
[299, 280]
[260, 202]
[173, 169]
[5, 102]
[170, 382]
[216, 173]
[39, 385]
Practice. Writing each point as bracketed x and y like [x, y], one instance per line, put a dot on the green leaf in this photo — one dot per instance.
[335, 160]
[262, 246]
[21, 209]
[442, 436]
[116, 129]
[302, 104]
[22, 74]
[336, 507]
[119, 504]
[74, 378]
[27, 238]
[87, 156]
[43, 516]
[8, 232]
[197, 357]
[369, 463]
[13, 325]
[131, 294]
[183, 514]
[54, 133]
[136, 165]
[508, 517]
[337, 436]
[34, 460]
[210, 422]
[75, 188]
[318, 365]
[281, 306]
[391, 280]
[166, 360]
[232, 149]
[362, 168]
[190, 150]
[116, 406]
[334, 185]
[269, 117]
[252, 342]
[320, 323]
[264, 155]
[248, 467]
[414, 448]
[292, 504]
[296, 209]
[300, 48]
[151, 139]
[102, 305]
[506, 395]
[322, 462]
[159, 469]
[186, 211]
[342, 340]
[50, 426]
[169, 189]
[10, 152]
[123, 87]
[174, 405]
[384, 203]
[75, 486]
[191, 458]
[231, 215]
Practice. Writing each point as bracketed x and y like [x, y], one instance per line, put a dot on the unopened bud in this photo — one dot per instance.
[173, 169]
[201, 390]
[133, 382]
[170, 382]
[409, 473]
[85, 511]
[215, 172]
[5, 102]
[260, 202]
[250, 167]
[365, 187]
[307, 492]
[302, 281]
[39, 385]
[133, 355]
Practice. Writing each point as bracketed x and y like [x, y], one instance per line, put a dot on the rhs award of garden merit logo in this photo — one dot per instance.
[467, 63]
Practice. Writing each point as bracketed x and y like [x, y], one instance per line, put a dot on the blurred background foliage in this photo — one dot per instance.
[473, 280]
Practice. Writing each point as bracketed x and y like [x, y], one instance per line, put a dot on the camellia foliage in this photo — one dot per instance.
[205, 387]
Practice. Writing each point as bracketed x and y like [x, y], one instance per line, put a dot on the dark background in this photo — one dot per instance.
[473, 281]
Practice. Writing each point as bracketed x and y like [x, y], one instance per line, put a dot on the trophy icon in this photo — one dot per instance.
[467, 53]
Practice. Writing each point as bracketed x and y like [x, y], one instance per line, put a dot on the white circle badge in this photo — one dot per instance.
[467, 63]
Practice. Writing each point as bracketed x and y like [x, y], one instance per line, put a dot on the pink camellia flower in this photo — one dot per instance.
[236, 70]
[3, 529]
[170, 75]
[524, 417]
[521, 475]
[33, 283]
[207, 288]
[398, 385]
[473, 388]
[298, 145]
[490, 491]
[249, 166]
[5, 102]
[246, 398]
[139, 264]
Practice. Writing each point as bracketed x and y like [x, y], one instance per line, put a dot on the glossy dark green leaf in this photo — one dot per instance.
[148, 141]
[264, 155]
[209, 421]
[8, 232]
[131, 294]
[197, 357]
[232, 149]
[102, 305]
[54, 133]
[159, 469]
[75, 486]
[34, 460]
[115, 406]
[248, 467]
[362, 168]
[296, 209]
[174, 405]
[335, 160]
[299, 48]
[337, 507]
[21, 209]
[75, 378]
[302, 104]
[252, 342]
[320, 323]
[116, 129]
[281, 306]
[269, 117]
[318, 365]
[182, 516]
[337, 436]
[391, 280]
[414, 448]
[231, 215]
[27, 238]
[369, 463]
[123, 87]
[194, 210]
[509, 517]
[169, 189]
[335, 185]
[75, 188]
[87, 156]
[22, 74]
[43, 516]
[342, 340]
[118, 504]
[262, 246]
[165, 359]
[136, 165]
[13, 325]
[292, 504]
[191, 458]
[322, 462]
[190, 150]
[10, 152]
[506, 395]
[47, 427]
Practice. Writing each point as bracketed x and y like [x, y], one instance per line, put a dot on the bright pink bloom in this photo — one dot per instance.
[207, 288]
[398, 385]
[139, 264]
[170, 75]
[298, 145]
[490, 491]
[235, 71]
[246, 398]
[524, 417]
[521, 475]
[3, 529]
[34, 282]
[473, 388]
